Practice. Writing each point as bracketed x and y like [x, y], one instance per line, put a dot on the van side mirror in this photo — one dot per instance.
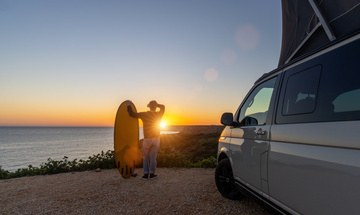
[227, 119]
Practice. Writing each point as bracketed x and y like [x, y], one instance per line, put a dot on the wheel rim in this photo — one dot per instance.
[226, 180]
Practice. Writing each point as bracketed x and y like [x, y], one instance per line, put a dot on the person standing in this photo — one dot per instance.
[151, 126]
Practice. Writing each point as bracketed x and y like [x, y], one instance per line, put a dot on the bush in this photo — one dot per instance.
[171, 160]
[102, 161]
[3, 173]
[205, 163]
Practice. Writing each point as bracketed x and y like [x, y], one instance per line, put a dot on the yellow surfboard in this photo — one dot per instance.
[126, 139]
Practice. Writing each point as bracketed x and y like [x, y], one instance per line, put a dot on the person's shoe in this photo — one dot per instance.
[153, 176]
[145, 177]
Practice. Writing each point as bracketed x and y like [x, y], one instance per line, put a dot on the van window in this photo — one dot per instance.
[339, 93]
[301, 92]
[328, 91]
[348, 101]
[256, 106]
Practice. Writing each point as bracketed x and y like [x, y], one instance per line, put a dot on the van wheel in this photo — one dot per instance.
[224, 179]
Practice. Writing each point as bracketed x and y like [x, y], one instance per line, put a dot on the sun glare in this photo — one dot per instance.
[162, 124]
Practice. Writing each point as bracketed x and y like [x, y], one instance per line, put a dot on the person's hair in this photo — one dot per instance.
[152, 105]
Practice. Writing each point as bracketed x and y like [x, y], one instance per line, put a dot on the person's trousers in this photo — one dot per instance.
[150, 150]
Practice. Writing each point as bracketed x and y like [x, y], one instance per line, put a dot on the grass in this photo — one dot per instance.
[176, 150]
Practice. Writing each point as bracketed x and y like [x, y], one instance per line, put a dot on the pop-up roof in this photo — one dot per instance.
[311, 24]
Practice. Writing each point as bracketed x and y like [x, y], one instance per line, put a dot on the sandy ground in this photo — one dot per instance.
[175, 191]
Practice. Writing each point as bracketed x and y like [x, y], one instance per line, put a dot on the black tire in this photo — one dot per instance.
[225, 182]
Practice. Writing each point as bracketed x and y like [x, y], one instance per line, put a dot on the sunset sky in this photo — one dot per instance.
[71, 63]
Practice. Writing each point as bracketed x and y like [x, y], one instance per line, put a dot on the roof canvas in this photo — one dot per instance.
[311, 24]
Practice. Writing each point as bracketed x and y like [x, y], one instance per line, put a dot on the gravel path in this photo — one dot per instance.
[175, 191]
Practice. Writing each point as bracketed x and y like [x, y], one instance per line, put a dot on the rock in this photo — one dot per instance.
[98, 170]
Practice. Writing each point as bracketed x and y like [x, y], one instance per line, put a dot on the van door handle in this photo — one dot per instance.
[260, 132]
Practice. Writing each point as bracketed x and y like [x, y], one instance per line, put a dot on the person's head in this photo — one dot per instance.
[152, 105]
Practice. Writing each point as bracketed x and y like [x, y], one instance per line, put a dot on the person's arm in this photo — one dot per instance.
[162, 108]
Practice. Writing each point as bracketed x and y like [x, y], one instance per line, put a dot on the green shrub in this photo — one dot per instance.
[3, 173]
[102, 161]
[171, 160]
[205, 163]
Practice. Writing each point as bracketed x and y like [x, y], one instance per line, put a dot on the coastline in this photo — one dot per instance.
[95, 147]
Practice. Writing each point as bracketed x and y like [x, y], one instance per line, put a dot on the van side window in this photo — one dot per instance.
[254, 110]
[323, 89]
[301, 92]
[347, 102]
[339, 92]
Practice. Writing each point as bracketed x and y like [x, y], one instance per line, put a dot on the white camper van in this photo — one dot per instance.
[294, 142]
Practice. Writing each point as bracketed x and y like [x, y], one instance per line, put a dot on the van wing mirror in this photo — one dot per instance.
[227, 119]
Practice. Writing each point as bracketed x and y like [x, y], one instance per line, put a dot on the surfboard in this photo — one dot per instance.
[126, 139]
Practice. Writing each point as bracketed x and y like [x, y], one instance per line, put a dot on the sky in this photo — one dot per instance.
[72, 63]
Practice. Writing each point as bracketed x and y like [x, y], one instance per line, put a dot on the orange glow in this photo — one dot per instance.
[45, 114]
[37, 115]
[95, 118]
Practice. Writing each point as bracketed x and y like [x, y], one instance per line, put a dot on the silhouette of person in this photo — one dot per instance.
[151, 126]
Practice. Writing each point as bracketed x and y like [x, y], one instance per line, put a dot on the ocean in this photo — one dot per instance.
[24, 146]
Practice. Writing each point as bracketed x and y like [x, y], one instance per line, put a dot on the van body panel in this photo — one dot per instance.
[342, 134]
[246, 149]
[314, 179]
[224, 143]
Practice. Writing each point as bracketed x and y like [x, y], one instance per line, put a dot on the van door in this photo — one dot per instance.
[250, 140]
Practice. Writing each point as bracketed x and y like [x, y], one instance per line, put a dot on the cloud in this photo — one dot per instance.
[247, 37]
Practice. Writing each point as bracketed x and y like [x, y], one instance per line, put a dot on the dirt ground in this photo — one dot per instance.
[175, 191]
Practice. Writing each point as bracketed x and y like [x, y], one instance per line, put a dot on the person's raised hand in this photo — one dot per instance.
[128, 102]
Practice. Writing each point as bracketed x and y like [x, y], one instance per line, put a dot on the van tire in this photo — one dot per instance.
[224, 180]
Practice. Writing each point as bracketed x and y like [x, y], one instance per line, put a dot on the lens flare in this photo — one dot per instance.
[211, 75]
[247, 37]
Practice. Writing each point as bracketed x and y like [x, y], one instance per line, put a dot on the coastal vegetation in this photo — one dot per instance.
[184, 149]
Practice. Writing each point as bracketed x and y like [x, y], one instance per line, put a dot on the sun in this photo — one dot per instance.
[162, 124]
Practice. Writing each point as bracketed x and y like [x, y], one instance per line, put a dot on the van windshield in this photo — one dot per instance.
[257, 104]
